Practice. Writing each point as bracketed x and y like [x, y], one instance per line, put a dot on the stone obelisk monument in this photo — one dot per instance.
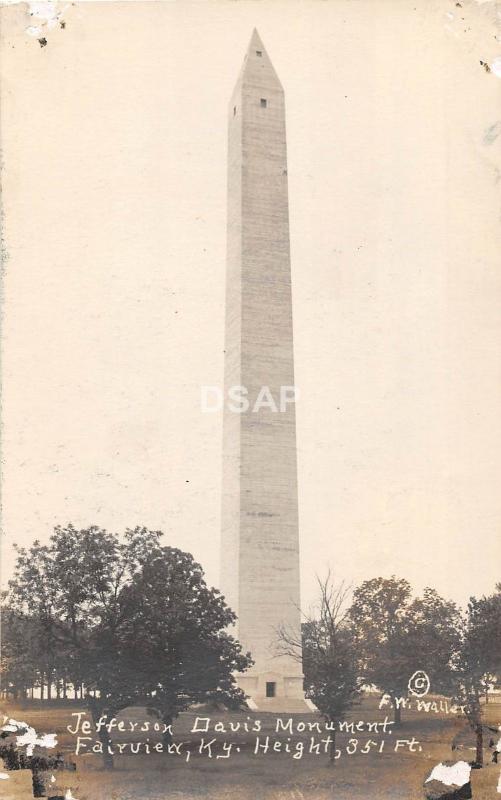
[260, 547]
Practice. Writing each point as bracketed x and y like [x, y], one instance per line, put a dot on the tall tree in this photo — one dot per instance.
[435, 635]
[174, 640]
[20, 657]
[479, 659]
[136, 618]
[398, 636]
[330, 660]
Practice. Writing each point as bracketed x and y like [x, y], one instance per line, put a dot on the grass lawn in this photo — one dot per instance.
[379, 774]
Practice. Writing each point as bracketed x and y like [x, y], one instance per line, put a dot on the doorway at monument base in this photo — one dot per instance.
[273, 691]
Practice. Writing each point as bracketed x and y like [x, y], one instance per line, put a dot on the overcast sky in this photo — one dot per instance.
[114, 149]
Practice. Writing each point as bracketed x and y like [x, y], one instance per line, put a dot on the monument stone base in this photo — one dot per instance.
[274, 692]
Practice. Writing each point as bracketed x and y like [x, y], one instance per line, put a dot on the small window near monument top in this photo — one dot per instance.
[259, 53]
[271, 688]
[234, 110]
[264, 102]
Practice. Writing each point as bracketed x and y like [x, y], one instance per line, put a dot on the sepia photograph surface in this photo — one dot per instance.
[251, 392]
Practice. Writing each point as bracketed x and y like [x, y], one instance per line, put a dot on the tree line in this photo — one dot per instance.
[131, 621]
[115, 622]
[382, 636]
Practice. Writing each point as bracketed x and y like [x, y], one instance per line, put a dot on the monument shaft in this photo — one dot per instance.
[260, 543]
